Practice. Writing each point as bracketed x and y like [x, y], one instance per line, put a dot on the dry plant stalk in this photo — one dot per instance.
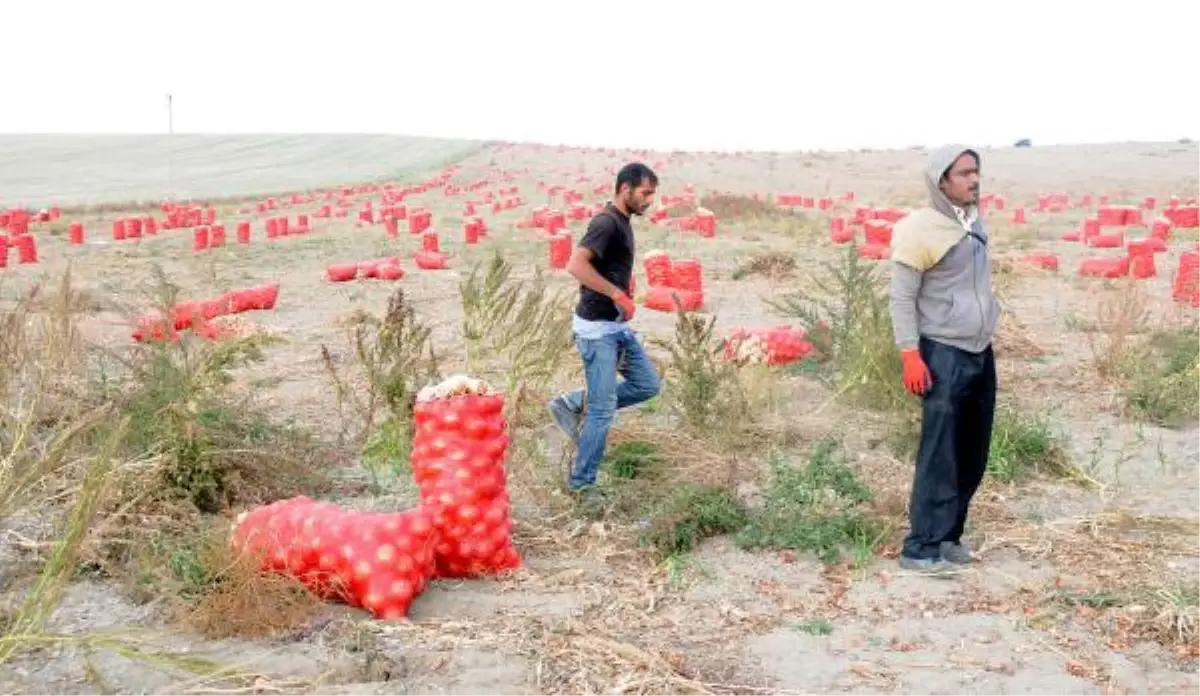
[515, 332]
[691, 460]
[395, 358]
[241, 600]
[1119, 318]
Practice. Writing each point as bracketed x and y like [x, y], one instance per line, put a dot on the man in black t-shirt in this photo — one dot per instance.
[603, 264]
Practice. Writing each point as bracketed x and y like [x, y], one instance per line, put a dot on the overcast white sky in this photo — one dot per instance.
[745, 74]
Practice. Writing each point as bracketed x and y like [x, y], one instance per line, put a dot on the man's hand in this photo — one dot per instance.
[625, 306]
[917, 379]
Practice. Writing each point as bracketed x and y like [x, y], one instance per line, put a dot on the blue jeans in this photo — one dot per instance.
[603, 359]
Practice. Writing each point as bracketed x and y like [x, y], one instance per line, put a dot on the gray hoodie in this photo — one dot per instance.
[951, 301]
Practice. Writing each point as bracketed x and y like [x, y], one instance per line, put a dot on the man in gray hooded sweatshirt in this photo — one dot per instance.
[944, 313]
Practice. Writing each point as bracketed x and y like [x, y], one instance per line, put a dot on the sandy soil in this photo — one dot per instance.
[734, 621]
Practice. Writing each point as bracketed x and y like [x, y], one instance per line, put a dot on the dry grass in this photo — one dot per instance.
[50, 446]
[1014, 340]
[1119, 319]
[732, 206]
[774, 265]
[226, 595]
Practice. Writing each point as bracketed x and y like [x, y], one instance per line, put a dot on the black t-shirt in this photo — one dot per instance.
[610, 237]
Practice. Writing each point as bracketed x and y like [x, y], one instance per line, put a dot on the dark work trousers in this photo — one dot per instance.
[956, 436]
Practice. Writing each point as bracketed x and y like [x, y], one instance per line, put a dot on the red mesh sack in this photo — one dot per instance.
[372, 269]
[841, 234]
[560, 251]
[389, 271]
[1187, 279]
[252, 299]
[878, 232]
[1149, 245]
[779, 345]
[152, 326]
[687, 275]
[1107, 241]
[379, 561]
[459, 450]
[877, 252]
[658, 269]
[664, 300]
[340, 273]
[1141, 266]
[1104, 268]
[430, 260]
[1048, 262]
[1183, 216]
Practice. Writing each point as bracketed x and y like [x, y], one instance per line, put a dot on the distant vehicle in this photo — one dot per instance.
[1023, 142]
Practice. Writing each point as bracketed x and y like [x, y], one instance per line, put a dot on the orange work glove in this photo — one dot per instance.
[625, 306]
[916, 374]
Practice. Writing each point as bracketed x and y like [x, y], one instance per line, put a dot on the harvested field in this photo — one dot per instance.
[756, 510]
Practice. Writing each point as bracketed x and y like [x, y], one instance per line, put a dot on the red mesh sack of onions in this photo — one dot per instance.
[459, 450]
[379, 561]
[779, 345]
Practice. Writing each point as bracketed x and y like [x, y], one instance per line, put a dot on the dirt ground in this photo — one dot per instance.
[731, 620]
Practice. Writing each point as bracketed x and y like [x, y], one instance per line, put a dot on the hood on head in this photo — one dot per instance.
[939, 161]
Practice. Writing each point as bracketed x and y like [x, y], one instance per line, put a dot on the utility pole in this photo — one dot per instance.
[170, 149]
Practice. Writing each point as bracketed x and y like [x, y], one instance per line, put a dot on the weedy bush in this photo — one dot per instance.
[1024, 444]
[516, 332]
[689, 515]
[633, 459]
[703, 388]
[817, 506]
[195, 445]
[1161, 376]
[215, 448]
[394, 358]
[674, 486]
[847, 314]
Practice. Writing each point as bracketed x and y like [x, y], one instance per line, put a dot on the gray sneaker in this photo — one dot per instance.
[957, 553]
[927, 566]
[566, 418]
[590, 499]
